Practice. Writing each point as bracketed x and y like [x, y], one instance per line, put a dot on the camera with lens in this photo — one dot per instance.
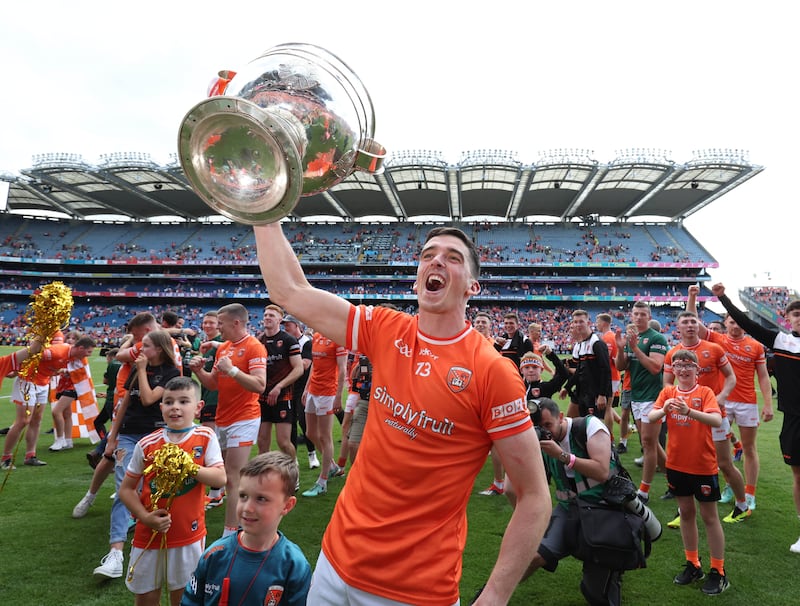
[542, 433]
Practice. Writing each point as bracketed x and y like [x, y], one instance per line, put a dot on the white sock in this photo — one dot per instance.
[91, 496]
[623, 441]
[68, 442]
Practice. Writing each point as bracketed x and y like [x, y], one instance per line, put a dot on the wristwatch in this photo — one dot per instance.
[564, 457]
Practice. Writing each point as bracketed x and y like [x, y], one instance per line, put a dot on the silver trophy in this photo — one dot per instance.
[294, 122]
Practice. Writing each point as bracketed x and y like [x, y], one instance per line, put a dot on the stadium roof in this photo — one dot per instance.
[562, 184]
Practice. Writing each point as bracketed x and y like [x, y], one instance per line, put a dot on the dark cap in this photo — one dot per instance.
[288, 318]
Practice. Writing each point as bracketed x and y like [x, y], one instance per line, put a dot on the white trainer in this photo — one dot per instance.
[796, 547]
[82, 508]
[59, 444]
[313, 462]
[110, 566]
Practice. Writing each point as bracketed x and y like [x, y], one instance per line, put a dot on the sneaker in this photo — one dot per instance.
[727, 495]
[737, 515]
[737, 454]
[690, 574]
[632, 428]
[667, 495]
[621, 448]
[316, 490]
[313, 462]
[750, 499]
[34, 462]
[212, 502]
[82, 508]
[7, 464]
[4, 431]
[643, 497]
[58, 445]
[796, 547]
[716, 583]
[676, 522]
[110, 566]
[492, 491]
[639, 461]
[338, 472]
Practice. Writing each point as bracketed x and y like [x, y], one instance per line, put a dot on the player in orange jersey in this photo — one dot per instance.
[30, 395]
[748, 359]
[441, 397]
[240, 376]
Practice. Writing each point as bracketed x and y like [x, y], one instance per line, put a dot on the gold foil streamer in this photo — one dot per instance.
[48, 312]
[171, 465]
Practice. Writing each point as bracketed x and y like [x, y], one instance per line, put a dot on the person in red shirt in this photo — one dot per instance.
[441, 398]
[30, 394]
[239, 375]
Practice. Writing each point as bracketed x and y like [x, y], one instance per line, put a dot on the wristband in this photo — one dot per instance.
[571, 463]
[233, 371]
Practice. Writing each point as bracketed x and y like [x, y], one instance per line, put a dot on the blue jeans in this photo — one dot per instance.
[119, 513]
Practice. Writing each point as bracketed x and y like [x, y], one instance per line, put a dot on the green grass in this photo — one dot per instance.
[46, 557]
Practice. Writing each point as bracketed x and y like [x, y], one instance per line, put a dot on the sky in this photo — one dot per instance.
[91, 77]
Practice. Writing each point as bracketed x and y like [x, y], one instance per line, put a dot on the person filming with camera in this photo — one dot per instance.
[579, 457]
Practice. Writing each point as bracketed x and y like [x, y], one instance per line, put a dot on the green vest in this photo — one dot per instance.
[579, 485]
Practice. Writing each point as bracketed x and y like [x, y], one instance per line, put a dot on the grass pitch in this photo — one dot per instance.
[46, 557]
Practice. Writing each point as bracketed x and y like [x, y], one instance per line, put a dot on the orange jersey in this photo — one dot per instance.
[324, 379]
[54, 359]
[690, 447]
[8, 364]
[235, 403]
[745, 355]
[188, 508]
[610, 339]
[399, 526]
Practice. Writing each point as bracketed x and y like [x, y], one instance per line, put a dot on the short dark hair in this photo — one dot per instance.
[141, 319]
[792, 306]
[684, 354]
[273, 461]
[170, 318]
[474, 259]
[183, 384]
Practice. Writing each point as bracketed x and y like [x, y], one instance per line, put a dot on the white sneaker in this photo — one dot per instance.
[313, 462]
[110, 566]
[82, 508]
[59, 444]
[750, 499]
[68, 444]
[796, 547]
[639, 461]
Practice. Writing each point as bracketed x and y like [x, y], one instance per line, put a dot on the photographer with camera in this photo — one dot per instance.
[579, 457]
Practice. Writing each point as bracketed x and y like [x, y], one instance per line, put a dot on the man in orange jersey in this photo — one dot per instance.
[323, 398]
[13, 361]
[748, 358]
[441, 397]
[715, 372]
[239, 375]
[30, 395]
[482, 322]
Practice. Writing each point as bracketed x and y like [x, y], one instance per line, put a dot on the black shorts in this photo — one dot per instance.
[790, 439]
[70, 393]
[702, 488]
[280, 413]
[208, 414]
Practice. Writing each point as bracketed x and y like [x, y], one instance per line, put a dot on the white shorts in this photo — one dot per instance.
[319, 405]
[640, 411]
[352, 400]
[239, 434]
[720, 434]
[328, 589]
[149, 566]
[744, 414]
[36, 394]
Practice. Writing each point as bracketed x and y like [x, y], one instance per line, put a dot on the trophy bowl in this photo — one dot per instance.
[294, 122]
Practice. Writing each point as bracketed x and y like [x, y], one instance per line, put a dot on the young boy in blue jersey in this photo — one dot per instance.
[258, 565]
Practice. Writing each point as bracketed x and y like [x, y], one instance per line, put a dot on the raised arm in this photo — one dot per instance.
[691, 305]
[288, 287]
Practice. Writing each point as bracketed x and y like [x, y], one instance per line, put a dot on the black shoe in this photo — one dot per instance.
[690, 574]
[716, 583]
[34, 462]
[621, 448]
[4, 431]
[667, 495]
[51, 430]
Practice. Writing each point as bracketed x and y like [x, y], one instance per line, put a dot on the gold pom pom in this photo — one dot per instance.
[172, 467]
[48, 312]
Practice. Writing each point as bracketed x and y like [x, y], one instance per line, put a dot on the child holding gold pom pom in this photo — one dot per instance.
[174, 462]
